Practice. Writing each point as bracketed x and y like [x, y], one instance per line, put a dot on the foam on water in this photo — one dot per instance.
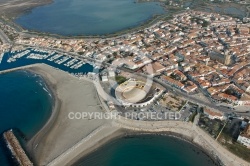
[24, 105]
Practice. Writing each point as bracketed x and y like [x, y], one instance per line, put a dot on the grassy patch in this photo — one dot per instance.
[120, 79]
[235, 147]
[227, 140]
[211, 126]
[191, 117]
[239, 150]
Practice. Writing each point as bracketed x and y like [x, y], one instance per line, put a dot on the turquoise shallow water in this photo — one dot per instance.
[25, 105]
[88, 17]
[147, 150]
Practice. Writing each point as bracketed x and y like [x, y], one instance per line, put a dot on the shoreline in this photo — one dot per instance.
[187, 130]
[56, 105]
[116, 135]
[55, 101]
[17, 8]
[10, 19]
[144, 24]
[131, 29]
[123, 133]
[39, 145]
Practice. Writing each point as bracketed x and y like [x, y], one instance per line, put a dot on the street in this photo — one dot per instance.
[191, 98]
[4, 38]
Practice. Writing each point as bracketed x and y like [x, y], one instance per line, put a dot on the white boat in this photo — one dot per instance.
[35, 56]
[71, 62]
[21, 54]
[1, 57]
[55, 57]
[78, 65]
[62, 60]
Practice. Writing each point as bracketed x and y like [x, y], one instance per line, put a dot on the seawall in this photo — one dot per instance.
[16, 149]
[17, 68]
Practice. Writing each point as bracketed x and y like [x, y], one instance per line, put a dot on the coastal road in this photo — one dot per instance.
[205, 103]
[191, 98]
[4, 38]
[176, 91]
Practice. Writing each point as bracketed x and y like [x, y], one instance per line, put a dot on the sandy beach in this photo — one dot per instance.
[101, 131]
[63, 141]
[60, 132]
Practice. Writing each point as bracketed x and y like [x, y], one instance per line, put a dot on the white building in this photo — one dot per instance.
[105, 78]
[213, 114]
[244, 137]
[111, 73]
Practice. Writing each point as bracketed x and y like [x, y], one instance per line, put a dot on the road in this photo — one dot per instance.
[199, 101]
[4, 38]
[176, 91]
[187, 96]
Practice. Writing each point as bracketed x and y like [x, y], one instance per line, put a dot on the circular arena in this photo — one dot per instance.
[132, 91]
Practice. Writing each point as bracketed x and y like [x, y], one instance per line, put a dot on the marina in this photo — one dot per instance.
[62, 60]
[18, 55]
[35, 56]
[77, 65]
[71, 62]
[55, 57]
[188, 62]
[22, 57]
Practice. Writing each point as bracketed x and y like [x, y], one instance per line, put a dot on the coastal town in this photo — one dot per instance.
[196, 64]
[195, 51]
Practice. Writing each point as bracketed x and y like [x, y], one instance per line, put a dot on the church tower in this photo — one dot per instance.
[228, 59]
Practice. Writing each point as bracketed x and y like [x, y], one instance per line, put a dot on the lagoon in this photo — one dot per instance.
[88, 17]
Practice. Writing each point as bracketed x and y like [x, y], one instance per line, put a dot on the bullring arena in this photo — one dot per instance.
[135, 93]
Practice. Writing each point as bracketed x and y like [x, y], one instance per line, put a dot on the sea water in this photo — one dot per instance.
[25, 105]
[147, 150]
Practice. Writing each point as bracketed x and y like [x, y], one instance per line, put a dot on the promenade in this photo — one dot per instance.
[186, 130]
[93, 139]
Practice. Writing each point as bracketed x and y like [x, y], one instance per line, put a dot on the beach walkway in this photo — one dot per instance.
[86, 143]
